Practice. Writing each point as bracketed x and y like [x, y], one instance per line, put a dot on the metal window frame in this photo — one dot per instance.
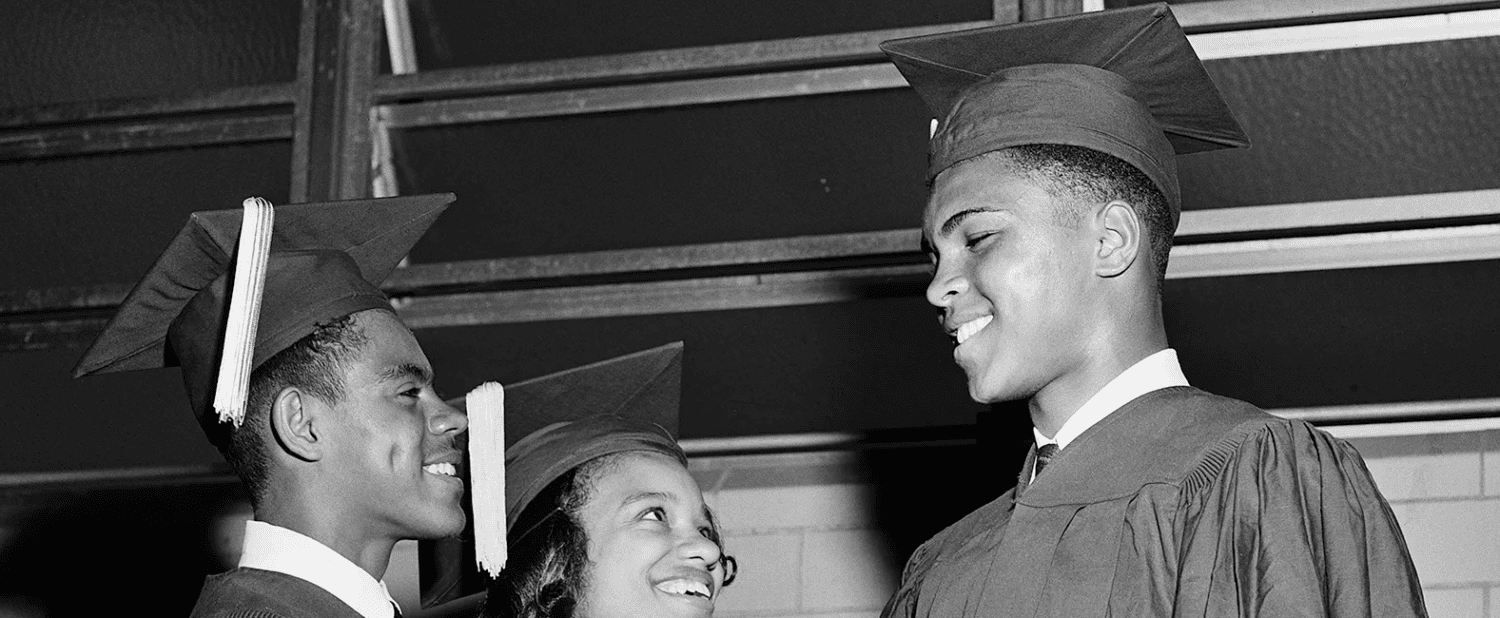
[134, 124]
[338, 105]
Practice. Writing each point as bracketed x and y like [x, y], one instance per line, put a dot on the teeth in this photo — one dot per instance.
[441, 469]
[973, 326]
[684, 586]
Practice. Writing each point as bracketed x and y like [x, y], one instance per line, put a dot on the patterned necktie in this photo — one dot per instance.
[1044, 455]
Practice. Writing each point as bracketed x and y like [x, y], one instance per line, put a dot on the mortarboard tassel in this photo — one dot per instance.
[244, 310]
[486, 406]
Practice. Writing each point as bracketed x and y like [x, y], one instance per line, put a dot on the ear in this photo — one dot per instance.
[296, 418]
[1119, 239]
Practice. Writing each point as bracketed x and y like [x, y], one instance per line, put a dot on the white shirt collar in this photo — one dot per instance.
[1155, 372]
[272, 548]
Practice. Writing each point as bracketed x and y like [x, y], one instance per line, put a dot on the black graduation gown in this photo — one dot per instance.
[257, 593]
[1180, 503]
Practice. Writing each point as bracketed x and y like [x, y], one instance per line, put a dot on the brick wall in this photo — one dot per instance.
[1445, 490]
[808, 548]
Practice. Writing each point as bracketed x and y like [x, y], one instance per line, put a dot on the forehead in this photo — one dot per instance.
[640, 472]
[388, 343]
[982, 183]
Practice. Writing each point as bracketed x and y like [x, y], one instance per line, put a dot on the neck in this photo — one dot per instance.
[352, 541]
[1122, 340]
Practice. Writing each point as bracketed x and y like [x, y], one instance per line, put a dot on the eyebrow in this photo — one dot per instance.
[957, 218]
[407, 370]
[648, 495]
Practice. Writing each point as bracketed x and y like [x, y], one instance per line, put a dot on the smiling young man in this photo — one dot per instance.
[1054, 200]
[344, 447]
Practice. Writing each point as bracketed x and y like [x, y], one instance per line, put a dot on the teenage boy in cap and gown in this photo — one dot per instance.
[599, 513]
[1054, 200]
[343, 447]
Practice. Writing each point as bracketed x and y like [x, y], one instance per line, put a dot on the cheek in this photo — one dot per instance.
[627, 556]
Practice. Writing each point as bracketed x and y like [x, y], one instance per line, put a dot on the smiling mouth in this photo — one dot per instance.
[441, 469]
[685, 587]
[968, 329]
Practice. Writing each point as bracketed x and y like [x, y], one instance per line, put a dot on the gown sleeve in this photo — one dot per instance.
[1284, 520]
[902, 603]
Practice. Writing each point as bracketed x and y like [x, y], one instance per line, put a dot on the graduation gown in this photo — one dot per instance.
[257, 593]
[1180, 503]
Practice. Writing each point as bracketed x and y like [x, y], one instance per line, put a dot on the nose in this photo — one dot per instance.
[948, 283]
[446, 419]
[696, 547]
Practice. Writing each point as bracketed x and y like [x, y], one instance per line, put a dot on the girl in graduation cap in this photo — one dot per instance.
[601, 517]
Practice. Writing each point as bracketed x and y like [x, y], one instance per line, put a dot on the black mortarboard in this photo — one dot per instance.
[555, 423]
[1124, 82]
[326, 261]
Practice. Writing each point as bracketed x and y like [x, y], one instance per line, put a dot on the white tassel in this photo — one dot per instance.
[244, 310]
[487, 475]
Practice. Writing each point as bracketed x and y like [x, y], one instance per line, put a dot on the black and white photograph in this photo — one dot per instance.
[750, 309]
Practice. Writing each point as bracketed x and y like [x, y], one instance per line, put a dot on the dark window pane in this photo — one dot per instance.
[837, 367]
[1400, 333]
[1354, 123]
[117, 420]
[74, 50]
[458, 34]
[103, 218]
[790, 167]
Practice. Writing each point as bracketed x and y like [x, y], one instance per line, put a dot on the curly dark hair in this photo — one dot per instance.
[316, 364]
[547, 567]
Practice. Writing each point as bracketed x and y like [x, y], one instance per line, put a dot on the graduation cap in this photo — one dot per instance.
[1123, 82]
[553, 424]
[324, 261]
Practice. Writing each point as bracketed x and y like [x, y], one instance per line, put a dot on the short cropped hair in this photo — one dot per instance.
[547, 569]
[1089, 177]
[316, 364]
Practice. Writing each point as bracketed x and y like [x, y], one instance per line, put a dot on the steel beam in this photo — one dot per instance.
[139, 135]
[227, 100]
[660, 65]
[647, 96]
[1223, 15]
[331, 122]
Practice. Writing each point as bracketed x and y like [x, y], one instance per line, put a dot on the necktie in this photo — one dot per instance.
[1044, 455]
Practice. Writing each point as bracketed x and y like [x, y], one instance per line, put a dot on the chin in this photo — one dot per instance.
[448, 523]
[995, 387]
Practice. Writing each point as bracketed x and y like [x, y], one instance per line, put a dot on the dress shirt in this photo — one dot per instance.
[1155, 372]
[273, 548]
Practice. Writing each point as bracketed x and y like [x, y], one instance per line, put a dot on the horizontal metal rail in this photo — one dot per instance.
[1347, 35]
[138, 135]
[1435, 228]
[1222, 15]
[656, 65]
[663, 297]
[227, 100]
[657, 95]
